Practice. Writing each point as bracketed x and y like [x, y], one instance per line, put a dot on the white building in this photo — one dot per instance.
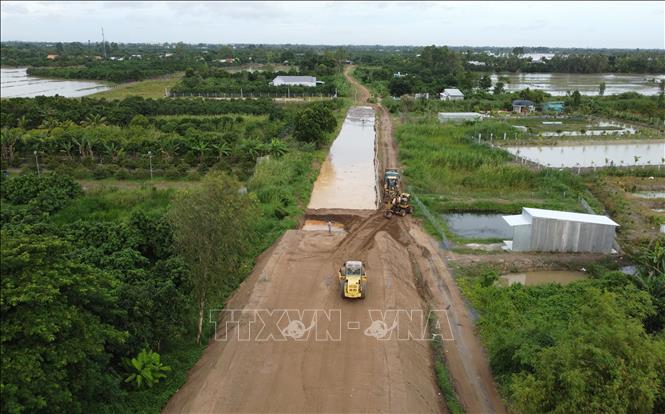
[459, 116]
[294, 81]
[560, 231]
[451, 94]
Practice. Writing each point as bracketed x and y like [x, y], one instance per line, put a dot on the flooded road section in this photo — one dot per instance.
[347, 179]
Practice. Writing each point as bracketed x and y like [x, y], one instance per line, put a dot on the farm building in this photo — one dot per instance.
[451, 94]
[560, 231]
[294, 81]
[523, 106]
[554, 106]
[459, 116]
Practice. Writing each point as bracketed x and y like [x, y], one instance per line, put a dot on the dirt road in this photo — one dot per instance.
[295, 346]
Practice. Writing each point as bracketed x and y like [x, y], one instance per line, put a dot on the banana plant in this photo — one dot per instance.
[277, 147]
[94, 120]
[201, 147]
[223, 150]
[147, 369]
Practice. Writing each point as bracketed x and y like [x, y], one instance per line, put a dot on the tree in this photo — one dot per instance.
[213, 233]
[485, 82]
[54, 332]
[147, 368]
[499, 88]
[576, 99]
[399, 87]
[312, 124]
[601, 89]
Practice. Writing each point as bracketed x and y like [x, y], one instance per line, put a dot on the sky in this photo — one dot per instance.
[594, 24]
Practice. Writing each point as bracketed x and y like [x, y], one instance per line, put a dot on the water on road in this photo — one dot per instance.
[347, 179]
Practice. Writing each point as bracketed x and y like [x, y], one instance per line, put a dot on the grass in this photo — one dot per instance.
[441, 371]
[452, 173]
[151, 88]
[112, 204]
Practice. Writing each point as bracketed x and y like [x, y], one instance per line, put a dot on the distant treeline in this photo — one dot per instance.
[125, 71]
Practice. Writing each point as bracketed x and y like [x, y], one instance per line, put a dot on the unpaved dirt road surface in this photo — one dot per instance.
[288, 343]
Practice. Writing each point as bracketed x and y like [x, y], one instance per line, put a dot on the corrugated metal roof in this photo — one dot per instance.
[569, 216]
[453, 91]
[295, 78]
[516, 220]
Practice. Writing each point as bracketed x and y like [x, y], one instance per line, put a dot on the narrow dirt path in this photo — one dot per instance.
[465, 357]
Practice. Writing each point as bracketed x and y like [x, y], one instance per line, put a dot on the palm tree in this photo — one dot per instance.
[8, 140]
[93, 120]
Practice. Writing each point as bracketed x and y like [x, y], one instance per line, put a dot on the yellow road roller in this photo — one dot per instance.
[353, 280]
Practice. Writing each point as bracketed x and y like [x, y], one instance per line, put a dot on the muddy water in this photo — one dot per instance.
[478, 226]
[598, 155]
[650, 194]
[541, 277]
[347, 179]
[15, 82]
[558, 84]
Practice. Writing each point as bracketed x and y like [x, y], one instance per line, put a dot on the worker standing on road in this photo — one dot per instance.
[329, 227]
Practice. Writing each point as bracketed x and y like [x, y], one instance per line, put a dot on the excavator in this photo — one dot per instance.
[353, 280]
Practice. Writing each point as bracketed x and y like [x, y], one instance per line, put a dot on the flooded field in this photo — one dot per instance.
[16, 83]
[593, 155]
[347, 179]
[557, 84]
[541, 277]
[478, 226]
[650, 194]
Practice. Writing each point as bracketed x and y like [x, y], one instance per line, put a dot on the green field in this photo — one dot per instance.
[152, 88]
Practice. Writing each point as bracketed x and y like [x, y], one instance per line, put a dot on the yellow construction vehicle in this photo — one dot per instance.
[391, 179]
[400, 205]
[353, 280]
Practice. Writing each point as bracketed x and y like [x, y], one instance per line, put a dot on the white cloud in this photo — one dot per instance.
[563, 24]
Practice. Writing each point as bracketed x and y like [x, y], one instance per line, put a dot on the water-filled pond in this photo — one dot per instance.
[593, 155]
[347, 179]
[478, 226]
[542, 277]
[15, 83]
[650, 194]
[557, 84]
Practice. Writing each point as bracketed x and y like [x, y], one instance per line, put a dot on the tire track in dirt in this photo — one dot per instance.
[465, 357]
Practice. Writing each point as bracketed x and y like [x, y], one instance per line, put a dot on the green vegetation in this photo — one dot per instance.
[111, 265]
[595, 345]
[452, 172]
[442, 376]
[152, 88]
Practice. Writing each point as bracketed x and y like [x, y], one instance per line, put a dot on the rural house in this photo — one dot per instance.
[523, 106]
[294, 81]
[451, 94]
[560, 231]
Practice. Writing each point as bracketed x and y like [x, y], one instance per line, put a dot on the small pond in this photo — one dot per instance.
[590, 155]
[650, 194]
[542, 277]
[478, 226]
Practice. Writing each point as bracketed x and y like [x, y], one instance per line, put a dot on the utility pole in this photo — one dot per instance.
[103, 42]
[150, 157]
[37, 162]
